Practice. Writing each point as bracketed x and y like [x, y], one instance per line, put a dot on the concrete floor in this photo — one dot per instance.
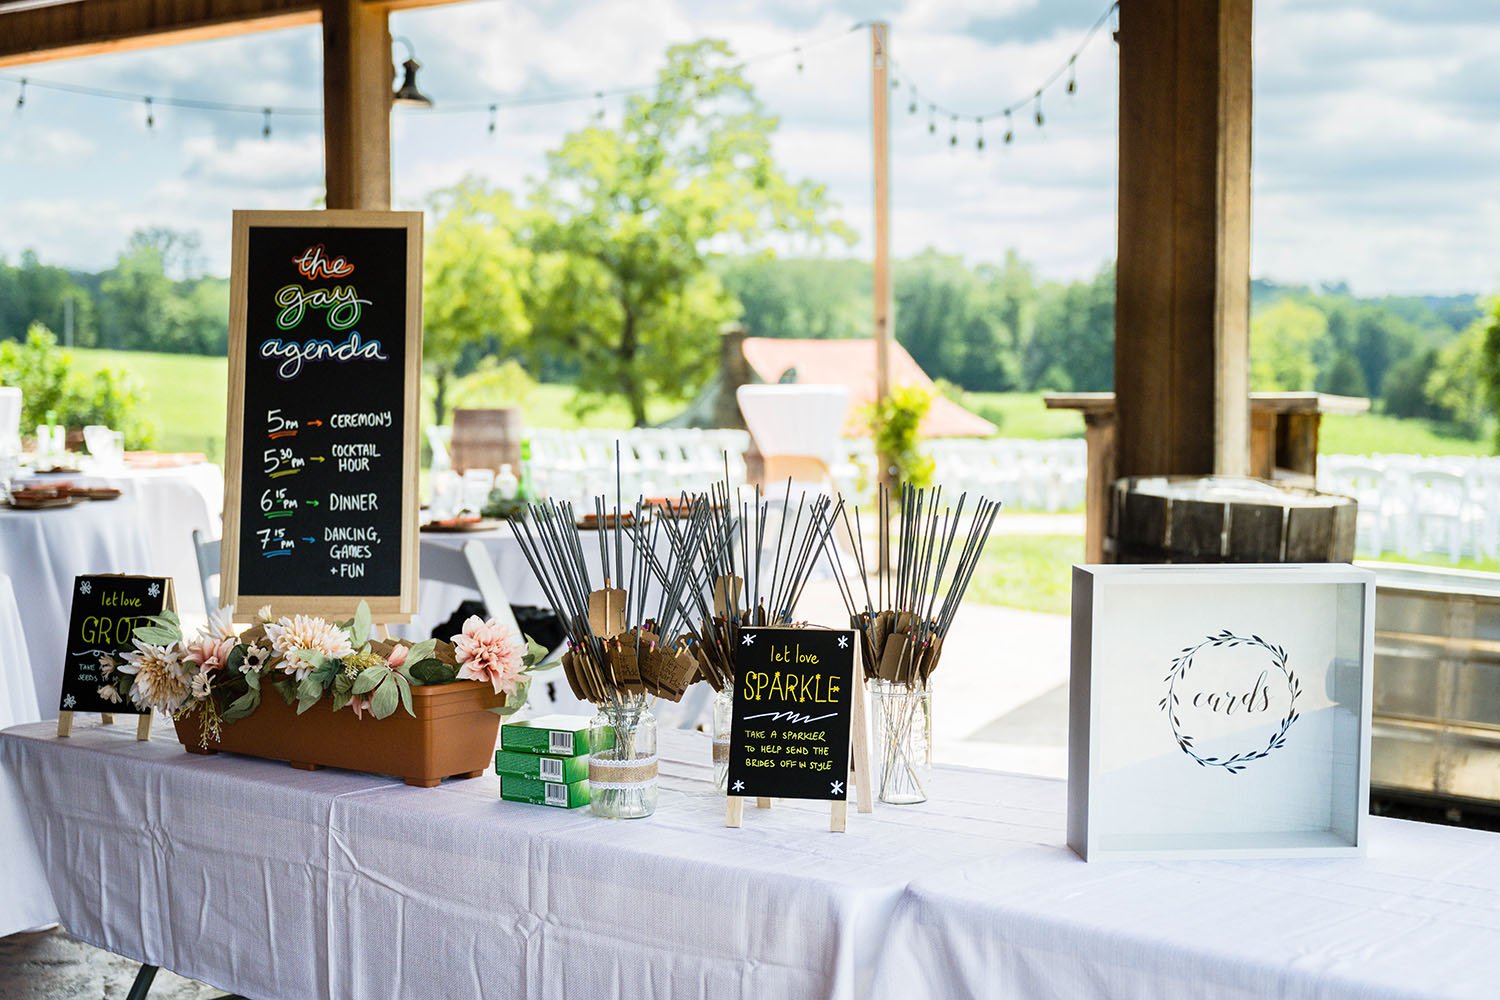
[49, 965]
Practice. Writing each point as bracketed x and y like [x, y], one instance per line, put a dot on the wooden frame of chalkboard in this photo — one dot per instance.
[309, 287]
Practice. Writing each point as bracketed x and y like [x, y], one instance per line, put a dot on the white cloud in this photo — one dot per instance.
[48, 146]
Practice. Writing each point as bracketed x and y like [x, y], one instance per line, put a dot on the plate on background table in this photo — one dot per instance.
[40, 500]
[94, 493]
[456, 525]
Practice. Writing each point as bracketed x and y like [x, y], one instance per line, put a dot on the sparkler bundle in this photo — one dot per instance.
[621, 645]
[916, 592]
[734, 575]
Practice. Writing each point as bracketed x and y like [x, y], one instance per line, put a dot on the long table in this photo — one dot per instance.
[277, 883]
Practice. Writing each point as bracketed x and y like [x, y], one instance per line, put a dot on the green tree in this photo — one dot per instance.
[1406, 386]
[627, 216]
[1344, 377]
[1455, 386]
[1073, 346]
[1489, 374]
[1285, 340]
[475, 277]
[139, 308]
[806, 298]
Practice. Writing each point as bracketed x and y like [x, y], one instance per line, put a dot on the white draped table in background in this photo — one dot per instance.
[277, 883]
[43, 550]
[17, 687]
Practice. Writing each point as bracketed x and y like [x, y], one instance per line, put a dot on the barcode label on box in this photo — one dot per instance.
[557, 795]
[561, 742]
[552, 768]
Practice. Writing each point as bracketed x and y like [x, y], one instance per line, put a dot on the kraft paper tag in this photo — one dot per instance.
[894, 657]
[727, 591]
[607, 612]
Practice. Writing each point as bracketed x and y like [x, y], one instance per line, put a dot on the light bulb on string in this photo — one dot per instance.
[21, 96]
[979, 134]
[1073, 75]
[1039, 119]
[953, 131]
[798, 51]
[932, 119]
[599, 114]
[895, 83]
[1010, 128]
[493, 110]
[150, 115]
[265, 125]
[911, 108]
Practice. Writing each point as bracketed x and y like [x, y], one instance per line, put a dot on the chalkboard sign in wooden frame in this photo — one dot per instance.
[107, 609]
[325, 358]
[799, 721]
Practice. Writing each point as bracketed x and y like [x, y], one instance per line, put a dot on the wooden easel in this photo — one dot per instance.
[143, 722]
[142, 725]
[860, 779]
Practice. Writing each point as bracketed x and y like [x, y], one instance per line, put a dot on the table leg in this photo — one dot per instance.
[142, 984]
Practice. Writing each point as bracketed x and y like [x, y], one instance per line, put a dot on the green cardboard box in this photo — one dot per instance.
[553, 735]
[539, 767]
[563, 795]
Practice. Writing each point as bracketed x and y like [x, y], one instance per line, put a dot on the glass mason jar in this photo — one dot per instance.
[901, 741]
[622, 775]
[722, 725]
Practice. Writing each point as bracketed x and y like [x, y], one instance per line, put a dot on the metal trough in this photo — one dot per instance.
[1436, 732]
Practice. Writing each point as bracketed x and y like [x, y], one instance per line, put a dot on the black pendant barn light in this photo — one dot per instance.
[408, 93]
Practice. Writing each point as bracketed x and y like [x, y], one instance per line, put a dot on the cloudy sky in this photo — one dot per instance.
[1377, 157]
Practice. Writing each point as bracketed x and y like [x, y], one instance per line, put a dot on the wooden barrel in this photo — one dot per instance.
[486, 439]
[1213, 519]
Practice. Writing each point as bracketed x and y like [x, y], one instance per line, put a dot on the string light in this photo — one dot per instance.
[798, 50]
[265, 126]
[599, 114]
[150, 115]
[21, 97]
[1066, 73]
[494, 111]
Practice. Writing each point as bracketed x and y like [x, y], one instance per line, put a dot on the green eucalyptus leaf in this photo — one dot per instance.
[157, 635]
[432, 671]
[242, 706]
[360, 630]
[385, 699]
[535, 653]
[369, 679]
[236, 659]
[404, 687]
[287, 688]
[421, 650]
[341, 698]
[252, 680]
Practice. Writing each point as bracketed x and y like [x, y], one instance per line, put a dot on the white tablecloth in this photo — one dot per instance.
[173, 501]
[17, 687]
[43, 550]
[276, 883]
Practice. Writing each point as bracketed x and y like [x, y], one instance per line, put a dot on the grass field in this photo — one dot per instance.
[184, 401]
[1031, 572]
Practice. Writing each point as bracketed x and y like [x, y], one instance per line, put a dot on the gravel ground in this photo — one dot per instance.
[49, 965]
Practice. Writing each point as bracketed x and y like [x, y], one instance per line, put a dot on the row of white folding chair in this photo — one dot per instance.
[1418, 504]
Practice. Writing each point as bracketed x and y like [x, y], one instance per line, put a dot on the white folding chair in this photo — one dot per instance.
[207, 551]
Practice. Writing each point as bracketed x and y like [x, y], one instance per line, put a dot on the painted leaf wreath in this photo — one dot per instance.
[1235, 763]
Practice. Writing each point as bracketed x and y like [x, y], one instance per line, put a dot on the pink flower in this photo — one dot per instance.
[398, 656]
[490, 651]
[210, 652]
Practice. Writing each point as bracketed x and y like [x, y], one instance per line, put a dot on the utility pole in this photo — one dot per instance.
[880, 130]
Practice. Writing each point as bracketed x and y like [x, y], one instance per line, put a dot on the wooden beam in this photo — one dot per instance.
[1182, 301]
[95, 27]
[357, 86]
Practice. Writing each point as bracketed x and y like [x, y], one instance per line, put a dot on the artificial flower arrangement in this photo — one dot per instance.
[223, 674]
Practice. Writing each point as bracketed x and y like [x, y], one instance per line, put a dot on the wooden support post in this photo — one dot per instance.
[1182, 301]
[357, 86]
[880, 131]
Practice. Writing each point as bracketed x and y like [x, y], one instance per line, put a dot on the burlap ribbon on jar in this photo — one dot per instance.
[633, 773]
[721, 751]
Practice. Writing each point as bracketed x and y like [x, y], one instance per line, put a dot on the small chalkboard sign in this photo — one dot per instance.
[325, 342]
[798, 700]
[106, 612]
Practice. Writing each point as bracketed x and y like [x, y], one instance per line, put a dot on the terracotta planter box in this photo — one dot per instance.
[452, 736]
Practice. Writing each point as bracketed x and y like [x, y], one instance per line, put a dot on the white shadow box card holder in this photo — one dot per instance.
[1220, 711]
